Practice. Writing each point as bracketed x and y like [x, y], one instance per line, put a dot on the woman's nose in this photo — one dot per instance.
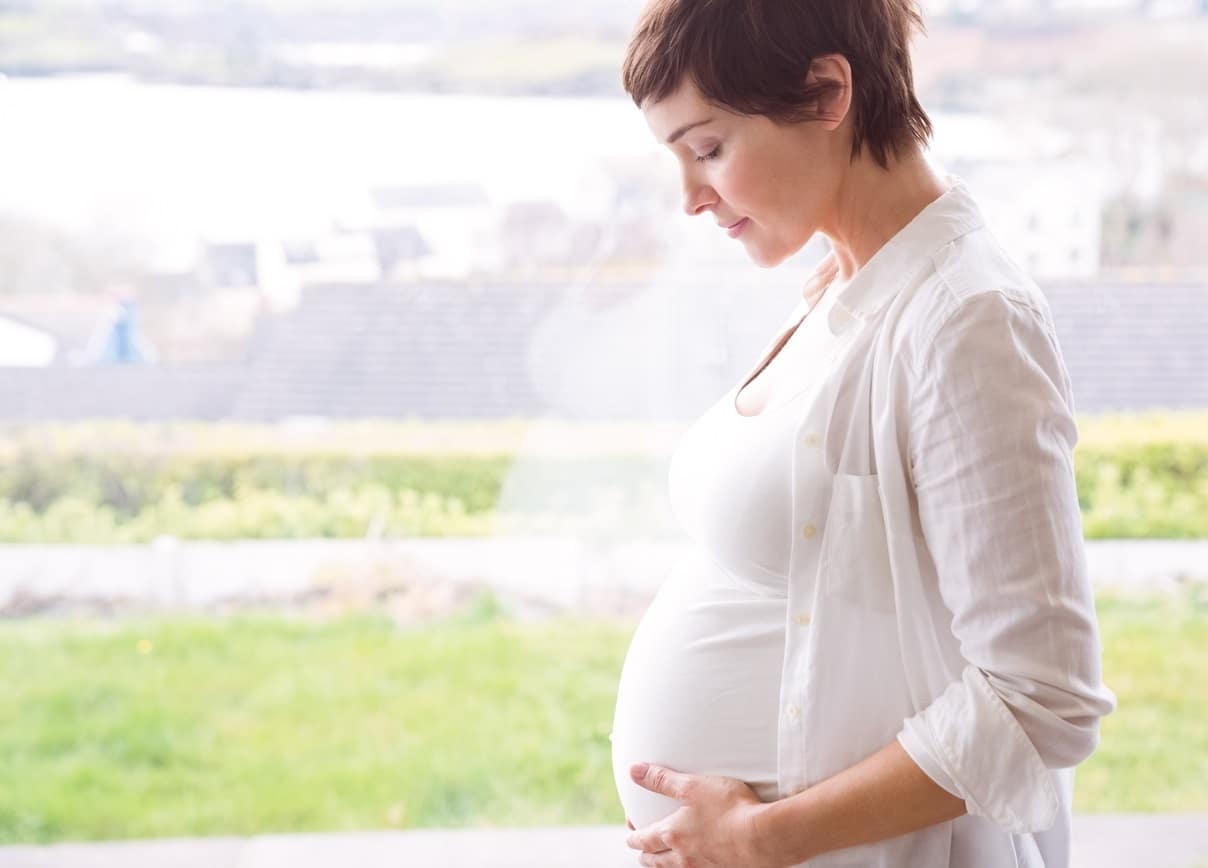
[697, 197]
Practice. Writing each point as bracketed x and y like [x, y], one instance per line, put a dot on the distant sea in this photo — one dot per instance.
[167, 162]
[157, 166]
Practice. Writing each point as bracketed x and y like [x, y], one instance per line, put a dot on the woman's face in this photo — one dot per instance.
[778, 182]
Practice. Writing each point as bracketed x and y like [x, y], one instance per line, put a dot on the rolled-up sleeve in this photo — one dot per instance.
[991, 440]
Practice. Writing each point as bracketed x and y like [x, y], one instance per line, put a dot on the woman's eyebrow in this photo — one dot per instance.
[675, 135]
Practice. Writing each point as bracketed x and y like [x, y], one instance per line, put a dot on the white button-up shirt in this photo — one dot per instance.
[940, 594]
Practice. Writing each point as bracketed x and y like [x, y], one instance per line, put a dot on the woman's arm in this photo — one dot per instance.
[883, 796]
[991, 439]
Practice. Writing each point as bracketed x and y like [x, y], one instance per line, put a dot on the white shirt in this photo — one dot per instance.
[937, 589]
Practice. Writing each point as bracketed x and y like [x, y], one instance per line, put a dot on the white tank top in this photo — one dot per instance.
[729, 482]
[700, 686]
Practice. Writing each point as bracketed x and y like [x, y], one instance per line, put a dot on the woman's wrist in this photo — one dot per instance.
[849, 809]
[782, 833]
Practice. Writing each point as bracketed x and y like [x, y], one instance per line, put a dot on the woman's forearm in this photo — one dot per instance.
[880, 797]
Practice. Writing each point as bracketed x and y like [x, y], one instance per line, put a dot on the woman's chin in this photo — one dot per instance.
[764, 259]
[769, 256]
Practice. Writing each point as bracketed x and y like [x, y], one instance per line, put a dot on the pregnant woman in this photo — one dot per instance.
[882, 649]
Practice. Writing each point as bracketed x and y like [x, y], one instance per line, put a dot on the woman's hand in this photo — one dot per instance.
[715, 827]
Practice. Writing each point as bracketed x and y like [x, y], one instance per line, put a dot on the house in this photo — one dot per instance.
[457, 221]
[1040, 195]
[23, 345]
[37, 322]
[1168, 227]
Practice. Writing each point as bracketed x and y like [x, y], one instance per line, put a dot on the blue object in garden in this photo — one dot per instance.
[122, 344]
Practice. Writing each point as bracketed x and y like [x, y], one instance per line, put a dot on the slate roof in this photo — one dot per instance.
[393, 352]
[1133, 346]
[469, 352]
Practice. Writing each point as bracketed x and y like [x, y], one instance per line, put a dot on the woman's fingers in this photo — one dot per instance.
[629, 823]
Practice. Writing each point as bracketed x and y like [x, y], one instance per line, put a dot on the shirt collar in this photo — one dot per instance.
[899, 259]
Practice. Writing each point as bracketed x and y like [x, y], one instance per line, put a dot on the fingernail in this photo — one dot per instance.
[639, 770]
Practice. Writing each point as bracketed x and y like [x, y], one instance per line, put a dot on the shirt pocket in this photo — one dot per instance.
[854, 560]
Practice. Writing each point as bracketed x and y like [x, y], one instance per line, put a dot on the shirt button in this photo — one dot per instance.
[802, 618]
[812, 440]
[792, 711]
[809, 531]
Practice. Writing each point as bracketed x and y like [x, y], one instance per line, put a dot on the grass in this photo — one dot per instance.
[1153, 751]
[258, 724]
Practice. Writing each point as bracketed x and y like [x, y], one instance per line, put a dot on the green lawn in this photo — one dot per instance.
[1153, 750]
[268, 724]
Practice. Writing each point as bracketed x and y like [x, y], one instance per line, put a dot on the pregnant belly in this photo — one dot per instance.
[700, 687]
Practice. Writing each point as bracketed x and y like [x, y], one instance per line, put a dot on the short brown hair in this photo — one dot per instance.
[751, 57]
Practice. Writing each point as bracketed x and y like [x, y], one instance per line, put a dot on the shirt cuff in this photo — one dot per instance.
[970, 743]
[910, 741]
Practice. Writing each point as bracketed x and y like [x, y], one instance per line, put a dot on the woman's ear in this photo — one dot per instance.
[835, 101]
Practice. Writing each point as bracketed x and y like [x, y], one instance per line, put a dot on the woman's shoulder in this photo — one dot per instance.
[973, 276]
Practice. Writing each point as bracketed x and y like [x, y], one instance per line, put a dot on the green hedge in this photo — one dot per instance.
[1138, 477]
[1148, 490]
[100, 498]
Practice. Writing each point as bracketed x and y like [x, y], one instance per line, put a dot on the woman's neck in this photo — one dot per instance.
[874, 204]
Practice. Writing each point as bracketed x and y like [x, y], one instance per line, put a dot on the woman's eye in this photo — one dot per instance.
[709, 156]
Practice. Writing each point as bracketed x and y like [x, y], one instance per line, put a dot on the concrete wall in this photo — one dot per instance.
[561, 573]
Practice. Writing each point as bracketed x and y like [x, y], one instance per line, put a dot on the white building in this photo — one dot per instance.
[24, 346]
[1049, 217]
[1042, 198]
[458, 223]
[287, 265]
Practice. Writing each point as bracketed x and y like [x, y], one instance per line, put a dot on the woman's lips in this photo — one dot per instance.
[735, 230]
